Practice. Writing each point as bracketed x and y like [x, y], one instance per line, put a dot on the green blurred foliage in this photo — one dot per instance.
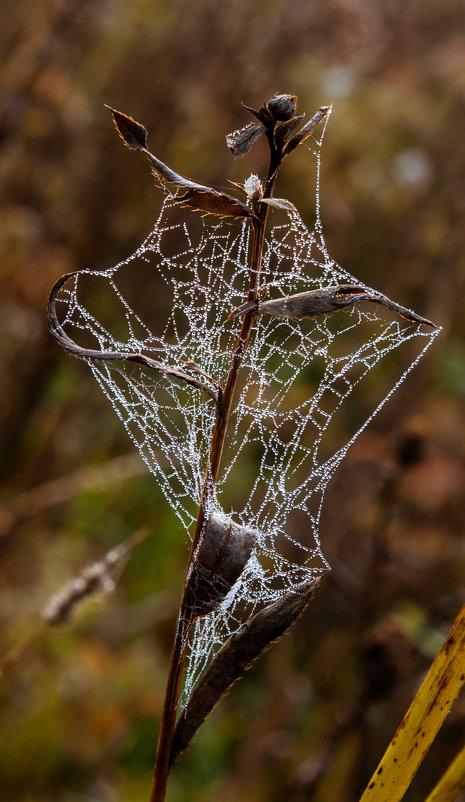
[80, 710]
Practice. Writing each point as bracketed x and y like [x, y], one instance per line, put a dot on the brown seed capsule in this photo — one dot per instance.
[282, 107]
[221, 558]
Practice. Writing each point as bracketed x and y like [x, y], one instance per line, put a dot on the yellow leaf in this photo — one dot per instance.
[422, 721]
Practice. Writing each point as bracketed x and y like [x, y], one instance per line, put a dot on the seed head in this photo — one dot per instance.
[282, 107]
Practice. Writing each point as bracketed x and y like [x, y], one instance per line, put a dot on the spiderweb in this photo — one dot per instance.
[279, 457]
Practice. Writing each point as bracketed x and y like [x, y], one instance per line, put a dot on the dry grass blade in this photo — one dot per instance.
[236, 656]
[95, 579]
[422, 721]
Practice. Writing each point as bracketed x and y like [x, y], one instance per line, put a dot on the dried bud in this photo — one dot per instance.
[282, 107]
[221, 558]
[278, 109]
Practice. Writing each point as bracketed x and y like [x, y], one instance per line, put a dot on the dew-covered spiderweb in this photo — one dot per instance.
[286, 435]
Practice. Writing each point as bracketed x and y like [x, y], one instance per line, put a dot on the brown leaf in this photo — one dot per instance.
[200, 197]
[324, 301]
[218, 203]
[284, 130]
[224, 551]
[133, 134]
[114, 356]
[240, 141]
[235, 656]
[307, 129]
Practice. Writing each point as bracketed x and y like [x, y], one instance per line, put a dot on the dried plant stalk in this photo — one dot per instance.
[221, 548]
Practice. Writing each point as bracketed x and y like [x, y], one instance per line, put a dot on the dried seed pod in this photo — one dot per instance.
[223, 552]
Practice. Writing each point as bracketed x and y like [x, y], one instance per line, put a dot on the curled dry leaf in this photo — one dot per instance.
[237, 654]
[198, 196]
[217, 203]
[324, 301]
[223, 552]
[133, 134]
[114, 356]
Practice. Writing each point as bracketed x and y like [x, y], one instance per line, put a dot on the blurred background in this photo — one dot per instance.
[80, 709]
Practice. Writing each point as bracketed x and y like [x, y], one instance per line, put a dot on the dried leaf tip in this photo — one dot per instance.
[133, 134]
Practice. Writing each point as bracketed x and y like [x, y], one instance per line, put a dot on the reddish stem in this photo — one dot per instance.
[178, 654]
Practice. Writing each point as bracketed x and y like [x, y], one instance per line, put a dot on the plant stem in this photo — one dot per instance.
[185, 620]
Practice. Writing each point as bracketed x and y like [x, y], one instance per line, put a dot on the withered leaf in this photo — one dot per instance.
[218, 203]
[200, 197]
[235, 656]
[280, 203]
[240, 141]
[114, 356]
[284, 130]
[307, 129]
[324, 301]
[133, 134]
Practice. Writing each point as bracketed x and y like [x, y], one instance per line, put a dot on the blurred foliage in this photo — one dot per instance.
[79, 712]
